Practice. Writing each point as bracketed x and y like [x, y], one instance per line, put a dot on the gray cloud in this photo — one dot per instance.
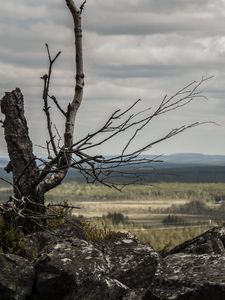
[133, 49]
[156, 16]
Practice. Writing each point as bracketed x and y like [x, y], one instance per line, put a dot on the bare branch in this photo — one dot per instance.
[79, 85]
[63, 206]
[6, 181]
[64, 157]
[59, 136]
[57, 105]
[47, 78]
[48, 148]
[82, 6]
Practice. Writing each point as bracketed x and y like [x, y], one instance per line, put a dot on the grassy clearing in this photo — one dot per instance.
[146, 206]
[175, 191]
[161, 239]
[167, 238]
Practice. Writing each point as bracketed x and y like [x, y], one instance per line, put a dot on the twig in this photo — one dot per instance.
[57, 104]
[59, 136]
[47, 79]
[64, 206]
[82, 6]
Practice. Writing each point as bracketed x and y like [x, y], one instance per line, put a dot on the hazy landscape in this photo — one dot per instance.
[182, 197]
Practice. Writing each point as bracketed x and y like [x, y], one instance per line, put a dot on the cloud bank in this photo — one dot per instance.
[133, 49]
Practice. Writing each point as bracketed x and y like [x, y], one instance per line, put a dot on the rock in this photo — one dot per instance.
[130, 261]
[71, 228]
[99, 287]
[16, 277]
[35, 242]
[212, 241]
[76, 269]
[117, 268]
[136, 294]
[65, 265]
[189, 277]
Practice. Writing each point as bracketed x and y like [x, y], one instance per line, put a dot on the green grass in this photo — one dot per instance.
[164, 238]
[167, 238]
[145, 205]
[85, 192]
[161, 239]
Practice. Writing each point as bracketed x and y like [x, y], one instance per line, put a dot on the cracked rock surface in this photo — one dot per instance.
[189, 276]
[120, 267]
[16, 277]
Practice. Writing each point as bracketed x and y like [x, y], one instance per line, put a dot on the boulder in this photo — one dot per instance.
[65, 265]
[99, 287]
[16, 277]
[212, 241]
[189, 277]
[35, 242]
[131, 262]
[134, 294]
[108, 269]
[119, 267]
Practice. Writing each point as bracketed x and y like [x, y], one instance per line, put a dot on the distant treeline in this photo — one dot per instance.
[198, 174]
[177, 173]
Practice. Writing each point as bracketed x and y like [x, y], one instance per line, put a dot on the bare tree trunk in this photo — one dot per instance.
[64, 159]
[30, 182]
[20, 149]
[22, 160]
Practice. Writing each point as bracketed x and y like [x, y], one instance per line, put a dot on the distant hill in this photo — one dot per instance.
[195, 158]
[179, 167]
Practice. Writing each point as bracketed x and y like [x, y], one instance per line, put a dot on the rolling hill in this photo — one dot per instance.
[179, 167]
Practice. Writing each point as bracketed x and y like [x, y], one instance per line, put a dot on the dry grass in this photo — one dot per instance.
[167, 238]
[141, 204]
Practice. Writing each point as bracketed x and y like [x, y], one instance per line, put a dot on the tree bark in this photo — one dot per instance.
[20, 148]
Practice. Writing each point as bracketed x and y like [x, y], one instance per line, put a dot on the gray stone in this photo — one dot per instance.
[130, 261]
[186, 276]
[212, 241]
[35, 242]
[76, 269]
[117, 268]
[99, 287]
[65, 265]
[16, 277]
[135, 294]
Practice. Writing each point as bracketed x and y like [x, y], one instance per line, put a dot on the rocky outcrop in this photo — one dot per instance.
[188, 276]
[104, 270]
[127, 257]
[72, 228]
[68, 267]
[17, 277]
[210, 242]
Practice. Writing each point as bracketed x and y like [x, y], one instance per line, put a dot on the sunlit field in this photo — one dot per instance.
[163, 214]
[165, 238]
[142, 204]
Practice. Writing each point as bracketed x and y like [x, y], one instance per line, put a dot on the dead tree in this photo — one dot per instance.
[32, 180]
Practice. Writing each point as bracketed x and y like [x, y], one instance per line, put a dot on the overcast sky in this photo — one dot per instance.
[133, 49]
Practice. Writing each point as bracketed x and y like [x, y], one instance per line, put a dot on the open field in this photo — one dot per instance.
[146, 207]
[175, 191]
[163, 239]
[142, 204]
